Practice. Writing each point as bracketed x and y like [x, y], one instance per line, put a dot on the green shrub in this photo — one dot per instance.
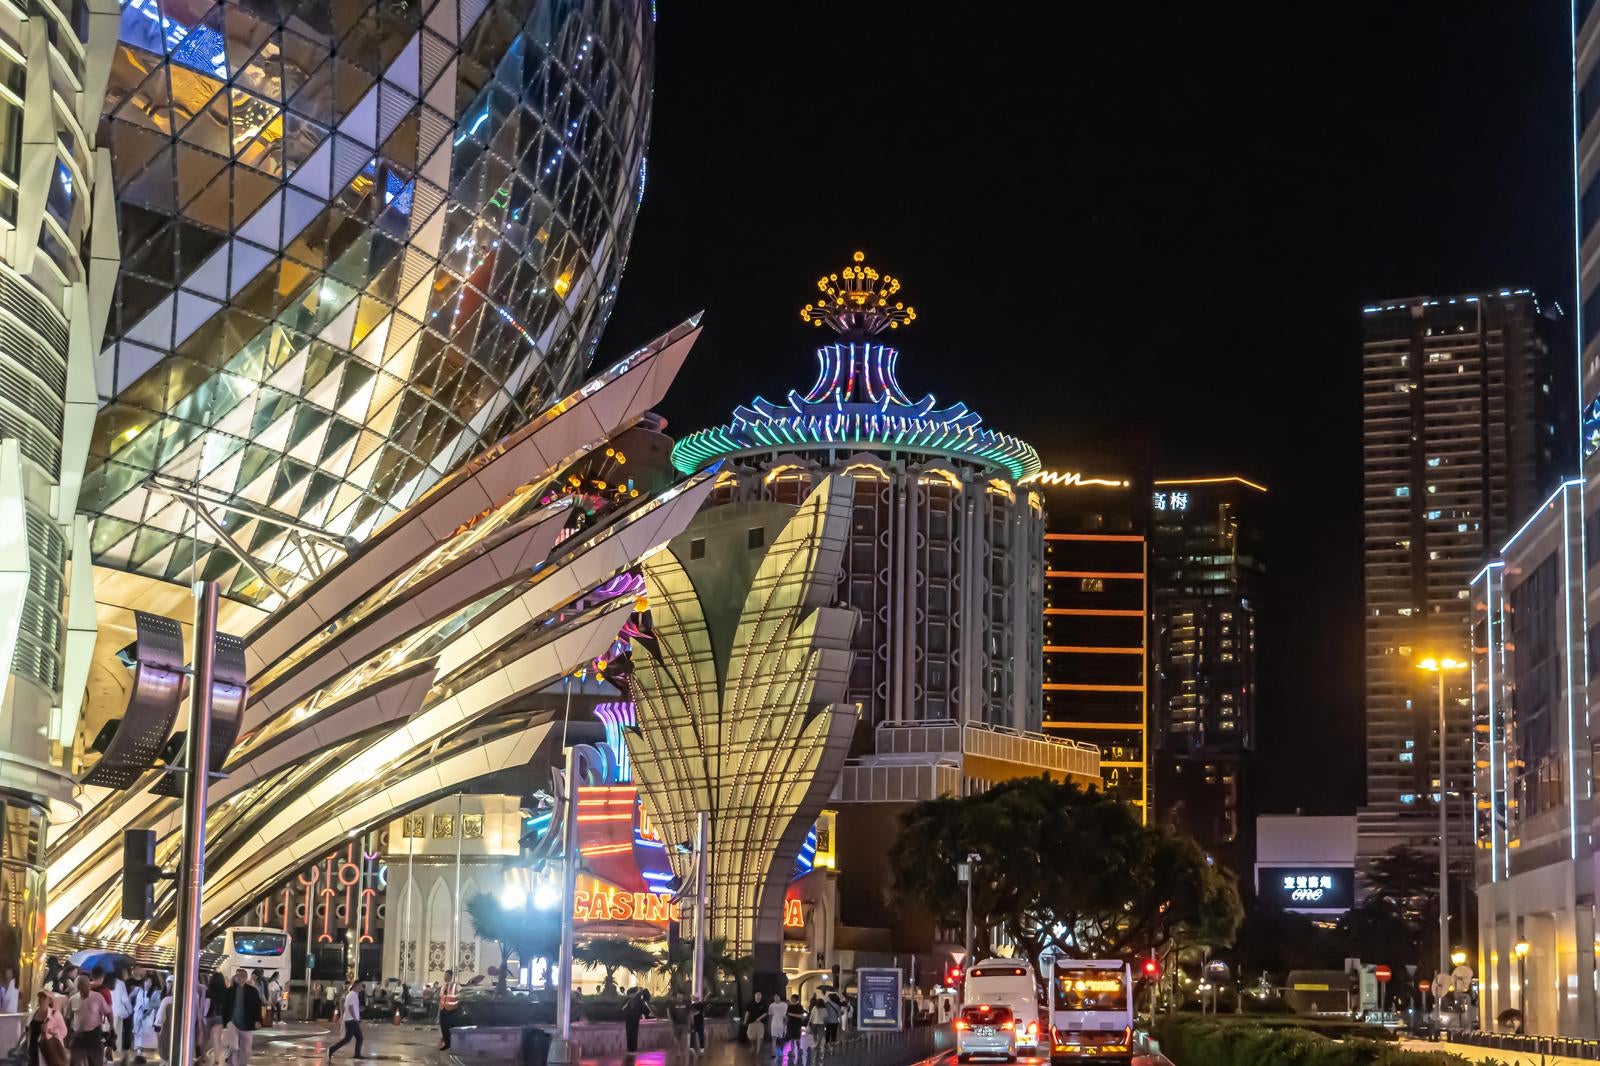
[1211, 1041]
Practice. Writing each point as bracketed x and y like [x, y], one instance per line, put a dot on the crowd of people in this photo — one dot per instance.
[783, 1022]
[95, 1018]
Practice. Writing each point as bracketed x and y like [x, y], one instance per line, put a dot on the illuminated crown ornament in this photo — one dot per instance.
[856, 399]
[859, 301]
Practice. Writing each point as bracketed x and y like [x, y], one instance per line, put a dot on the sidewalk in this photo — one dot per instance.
[1475, 1054]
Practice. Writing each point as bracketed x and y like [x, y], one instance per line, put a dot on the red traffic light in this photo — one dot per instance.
[1152, 968]
[952, 976]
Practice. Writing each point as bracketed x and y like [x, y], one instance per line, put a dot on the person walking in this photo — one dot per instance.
[795, 1017]
[90, 1013]
[449, 996]
[275, 997]
[9, 1002]
[47, 1033]
[216, 992]
[330, 1001]
[833, 1012]
[755, 1022]
[817, 1015]
[697, 1025]
[778, 1023]
[634, 1010]
[122, 1012]
[352, 1021]
[241, 1012]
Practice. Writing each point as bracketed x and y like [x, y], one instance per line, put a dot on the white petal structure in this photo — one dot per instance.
[738, 697]
[405, 672]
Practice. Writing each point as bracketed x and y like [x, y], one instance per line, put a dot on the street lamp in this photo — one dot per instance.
[964, 872]
[1522, 949]
[1441, 667]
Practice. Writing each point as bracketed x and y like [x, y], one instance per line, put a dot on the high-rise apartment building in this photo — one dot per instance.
[1206, 573]
[1096, 619]
[1464, 425]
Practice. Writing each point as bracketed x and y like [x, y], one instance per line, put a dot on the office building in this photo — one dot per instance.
[1454, 410]
[945, 561]
[360, 243]
[1306, 864]
[58, 263]
[1096, 654]
[1206, 578]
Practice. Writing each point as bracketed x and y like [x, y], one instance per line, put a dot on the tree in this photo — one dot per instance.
[1064, 869]
[614, 955]
[525, 931]
[678, 964]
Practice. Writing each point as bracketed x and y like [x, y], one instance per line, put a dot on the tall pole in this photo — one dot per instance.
[192, 859]
[561, 1046]
[454, 962]
[1444, 859]
[409, 962]
[701, 859]
[311, 924]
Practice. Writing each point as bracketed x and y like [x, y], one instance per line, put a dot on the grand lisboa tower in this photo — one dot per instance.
[360, 241]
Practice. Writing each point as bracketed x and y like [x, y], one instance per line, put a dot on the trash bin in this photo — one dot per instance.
[535, 1046]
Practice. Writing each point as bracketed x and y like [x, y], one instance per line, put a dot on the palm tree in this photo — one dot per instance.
[524, 931]
[614, 955]
[679, 964]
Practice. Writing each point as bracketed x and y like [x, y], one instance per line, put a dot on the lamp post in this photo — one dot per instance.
[1440, 667]
[964, 872]
[1522, 949]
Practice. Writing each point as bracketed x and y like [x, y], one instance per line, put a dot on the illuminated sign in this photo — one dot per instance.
[1070, 478]
[794, 915]
[1171, 501]
[598, 903]
[1302, 888]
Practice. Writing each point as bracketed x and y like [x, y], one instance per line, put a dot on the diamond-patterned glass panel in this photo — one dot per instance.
[360, 242]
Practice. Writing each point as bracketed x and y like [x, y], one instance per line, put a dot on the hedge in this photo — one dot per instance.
[1193, 1041]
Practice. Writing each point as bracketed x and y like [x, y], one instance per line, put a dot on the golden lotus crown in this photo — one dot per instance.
[859, 299]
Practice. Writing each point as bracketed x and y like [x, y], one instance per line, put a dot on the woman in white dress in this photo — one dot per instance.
[145, 1004]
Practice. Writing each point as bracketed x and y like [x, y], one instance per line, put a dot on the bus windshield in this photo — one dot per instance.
[1088, 989]
[260, 943]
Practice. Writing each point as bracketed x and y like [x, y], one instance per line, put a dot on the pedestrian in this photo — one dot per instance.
[9, 1003]
[817, 1016]
[47, 1033]
[778, 1023]
[275, 997]
[242, 1014]
[90, 1013]
[697, 1025]
[162, 1024]
[122, 1012]
[330, 1001]
[449, 996]
[634, 1010]
[67, 983]
[795, 1017]
[833, 1012]
[352, 1021]
[405, 1002]
[755, 1021]
[146, 1001]
[216, 992]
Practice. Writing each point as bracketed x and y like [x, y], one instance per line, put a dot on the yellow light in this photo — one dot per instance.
[1458, 957]
[1434, 665]
[1428, 664]
[1522, 949]
[563, 283]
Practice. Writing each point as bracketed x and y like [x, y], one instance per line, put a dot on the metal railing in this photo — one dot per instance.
[948, 737]
[875, 1049]
[1570, 1046]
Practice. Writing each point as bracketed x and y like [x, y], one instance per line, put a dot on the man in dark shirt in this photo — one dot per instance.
[241, 1012]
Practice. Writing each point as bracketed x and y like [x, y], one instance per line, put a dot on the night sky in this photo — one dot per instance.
[1118, 222]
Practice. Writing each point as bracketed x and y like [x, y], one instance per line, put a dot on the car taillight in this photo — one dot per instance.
[1008, 1026]
[1033, 1028]
[961, 1024]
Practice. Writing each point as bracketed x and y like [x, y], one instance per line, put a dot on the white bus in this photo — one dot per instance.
[1008, 983]
[1091, 1011]
[254, 948]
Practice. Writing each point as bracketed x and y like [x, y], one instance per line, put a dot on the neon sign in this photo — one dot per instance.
[607, 905]
[1071, 479]
[794, 915]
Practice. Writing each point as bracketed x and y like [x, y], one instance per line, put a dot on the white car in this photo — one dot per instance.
[985, 1030]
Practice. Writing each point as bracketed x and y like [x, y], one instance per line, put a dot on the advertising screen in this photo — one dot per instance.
[1307, 888]
[878, 996]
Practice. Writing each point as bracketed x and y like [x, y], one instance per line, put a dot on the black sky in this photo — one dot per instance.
[1118, 220]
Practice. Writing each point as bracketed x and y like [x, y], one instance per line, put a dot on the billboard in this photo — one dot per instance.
[878, 998]
[1307, 888]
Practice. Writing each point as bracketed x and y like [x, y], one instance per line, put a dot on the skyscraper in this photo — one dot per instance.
[1206, 574]
[1464, 430]
[58, 262]
[360, 242]
[1096, 620]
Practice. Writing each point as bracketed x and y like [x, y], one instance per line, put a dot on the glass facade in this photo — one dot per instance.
[359, 242]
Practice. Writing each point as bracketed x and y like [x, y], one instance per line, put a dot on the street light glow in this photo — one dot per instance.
[546, 895]
[1522, 949]
[1434, 665]
[1458, 957]
[512, 897]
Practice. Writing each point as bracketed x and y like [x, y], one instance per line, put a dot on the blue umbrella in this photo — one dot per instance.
[109, 961]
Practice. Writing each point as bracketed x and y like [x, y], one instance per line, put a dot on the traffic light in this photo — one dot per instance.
[1152, 969]
[952, 977]
[139, 874]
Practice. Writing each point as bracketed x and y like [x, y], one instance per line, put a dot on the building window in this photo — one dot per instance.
[1403, 490]
[756, 537]
[697, 548]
